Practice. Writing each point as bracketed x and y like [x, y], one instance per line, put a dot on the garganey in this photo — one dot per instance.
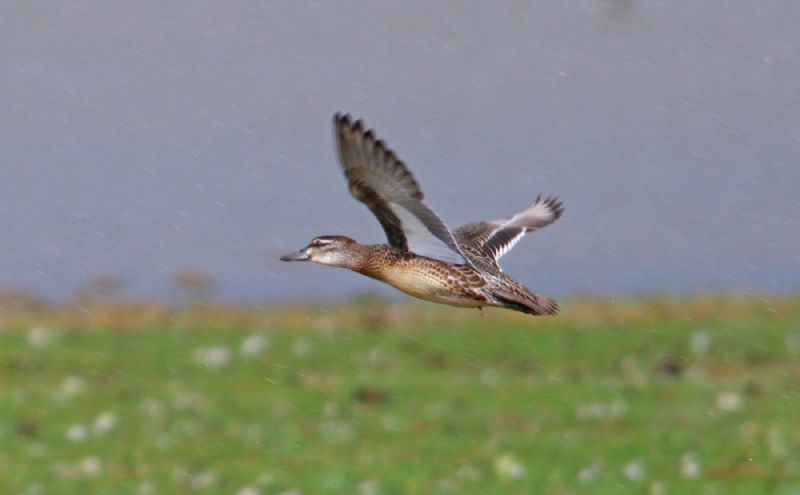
[423, 258]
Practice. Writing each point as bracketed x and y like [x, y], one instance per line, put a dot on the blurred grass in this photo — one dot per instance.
[639, 396]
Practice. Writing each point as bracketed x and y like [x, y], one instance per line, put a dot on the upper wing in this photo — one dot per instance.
[381, 181]
[494, 238]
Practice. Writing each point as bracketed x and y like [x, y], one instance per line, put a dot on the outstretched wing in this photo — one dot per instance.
[494, 238]
[381, 181]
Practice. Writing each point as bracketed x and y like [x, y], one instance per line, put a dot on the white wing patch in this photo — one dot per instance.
[502, 250]
[495, 238]
[540, 214]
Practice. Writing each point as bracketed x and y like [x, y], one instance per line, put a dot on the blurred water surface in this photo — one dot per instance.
[142, 138]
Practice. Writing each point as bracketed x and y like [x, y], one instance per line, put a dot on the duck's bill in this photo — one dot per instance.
[301, 255]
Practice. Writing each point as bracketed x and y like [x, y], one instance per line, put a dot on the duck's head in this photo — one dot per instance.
[335, 250]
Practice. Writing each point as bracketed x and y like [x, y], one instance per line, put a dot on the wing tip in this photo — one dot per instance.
[349, 130]
[552, 203]
[343, 122]
[341, 119]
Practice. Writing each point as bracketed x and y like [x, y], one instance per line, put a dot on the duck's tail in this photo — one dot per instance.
[519, 298]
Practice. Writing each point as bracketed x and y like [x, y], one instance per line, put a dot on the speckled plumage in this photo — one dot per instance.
[423, 258]
[425, 278]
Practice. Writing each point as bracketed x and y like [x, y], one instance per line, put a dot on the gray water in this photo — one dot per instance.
[142, 138]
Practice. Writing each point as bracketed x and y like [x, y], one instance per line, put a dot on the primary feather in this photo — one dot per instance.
[381, 181]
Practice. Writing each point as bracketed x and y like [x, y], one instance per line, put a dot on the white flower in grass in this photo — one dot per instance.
[105, 423]
[601, 410]
[253, 345]
[190, 401]
[377, 357]
[729, 402]
[151, 407]
[506, 466]
[696, 372]
[700, 343]
[332, 409]
[203, 480]
[658, 488]
[445, 485]
[147, 488]
[617, 408]
[490, 377]
[302, 349]
[212, 357]
[336, 431]
[588, 474]
[91, 466]
[368, 487]
[690, 466]
[77, 433]
[248, 490]
[390, 422]
[70, 387]
[39, 336]
[634, 471]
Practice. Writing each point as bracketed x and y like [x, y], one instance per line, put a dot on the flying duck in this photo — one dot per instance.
[422, 257]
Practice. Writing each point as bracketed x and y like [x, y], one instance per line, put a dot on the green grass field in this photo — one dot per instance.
[426, 401]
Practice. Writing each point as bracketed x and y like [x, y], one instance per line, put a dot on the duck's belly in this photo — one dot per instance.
[435, 287]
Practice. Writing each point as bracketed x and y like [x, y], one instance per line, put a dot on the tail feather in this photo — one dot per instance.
[542, 306]
[520, 298]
